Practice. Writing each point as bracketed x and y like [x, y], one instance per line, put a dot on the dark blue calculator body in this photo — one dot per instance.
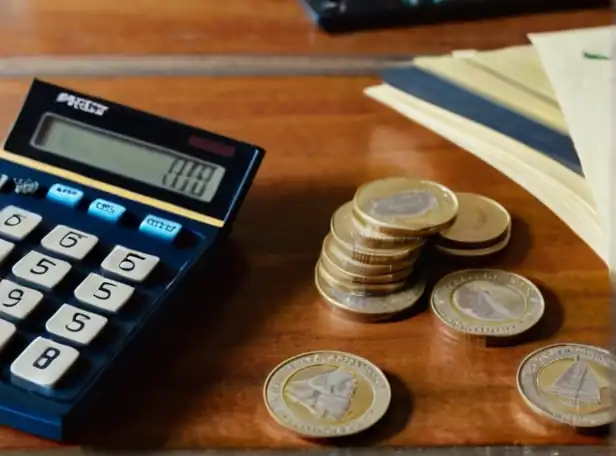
[105, 212]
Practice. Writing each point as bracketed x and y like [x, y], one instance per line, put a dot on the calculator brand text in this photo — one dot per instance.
[81, 104]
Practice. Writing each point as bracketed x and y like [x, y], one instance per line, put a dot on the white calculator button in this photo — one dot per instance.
[17, 223]
[69, 242]
[132, 264]
[17, 301]
[44, 362]
[41, 269]
[103, 293]
[76, 325]
[7, 330]
[5, 249]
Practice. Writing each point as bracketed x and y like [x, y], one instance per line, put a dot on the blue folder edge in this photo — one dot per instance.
[458, 100]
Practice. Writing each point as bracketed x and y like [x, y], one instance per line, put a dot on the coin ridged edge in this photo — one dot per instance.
[546, 413]
[472, 252]
[526, 328]
[384, 406]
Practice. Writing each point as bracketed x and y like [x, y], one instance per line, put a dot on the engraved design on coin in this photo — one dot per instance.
[327, 394]
[411, 203]
[569, 383]
[468, 222]
[489, 301]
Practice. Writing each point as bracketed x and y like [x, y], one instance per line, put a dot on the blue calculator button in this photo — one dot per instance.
[160, 227]
[106, 210]
[64, 194]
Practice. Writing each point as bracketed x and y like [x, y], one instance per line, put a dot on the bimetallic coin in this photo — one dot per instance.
[371, 308]
[342, 230]
[474, 252]
[487, 302]
[327, 394]
[481, 222]
[570, 384]
[345, 275]
[405, 206]
[346, 262]
[368, 237]
[354, 287]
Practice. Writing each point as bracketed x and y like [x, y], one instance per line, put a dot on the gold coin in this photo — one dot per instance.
[358, 288]
[469, 252]
[367, 237]
[571, 384]
[371, 308]
[342, 230]
[405, 206]
[487, 302]
[481, 222]
[347, 263]
[326, 394]
[344, 275]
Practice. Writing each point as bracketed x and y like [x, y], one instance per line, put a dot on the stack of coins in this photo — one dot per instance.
[482, 227]
[368, 268]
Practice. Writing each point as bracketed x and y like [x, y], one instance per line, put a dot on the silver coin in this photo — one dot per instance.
[571, 384]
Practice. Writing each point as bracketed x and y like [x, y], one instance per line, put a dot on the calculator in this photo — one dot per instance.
[106, 212]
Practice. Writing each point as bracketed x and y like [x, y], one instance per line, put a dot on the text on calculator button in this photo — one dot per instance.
[76, 325]
[64, 194]
[17, 301]
[7, 330]
[41, 269]
[159, 227]
[104, 293]
[69, 242]
[106, 210]
[17, 223]
[43, 363]
[131, 264]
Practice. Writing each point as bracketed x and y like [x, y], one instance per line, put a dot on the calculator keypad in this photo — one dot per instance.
[17, 301]
[5, 249]
[130, 264]
[16, 223]
[103, 293]
[7, 330]
[44, 362]
[41, 269]
[75, 325]
[69, 242]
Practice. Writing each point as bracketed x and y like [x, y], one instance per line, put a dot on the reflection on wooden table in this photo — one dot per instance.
[36, 27]
[200, 383]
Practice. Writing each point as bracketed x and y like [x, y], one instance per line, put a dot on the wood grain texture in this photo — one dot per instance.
[200, 383]
[34, 27]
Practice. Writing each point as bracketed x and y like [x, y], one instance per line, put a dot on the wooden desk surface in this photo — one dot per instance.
[200, 384]
[37, 27]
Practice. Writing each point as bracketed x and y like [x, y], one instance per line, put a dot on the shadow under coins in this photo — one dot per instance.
[270, 254]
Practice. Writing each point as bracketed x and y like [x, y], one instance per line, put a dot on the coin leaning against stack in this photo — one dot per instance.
[369, 263]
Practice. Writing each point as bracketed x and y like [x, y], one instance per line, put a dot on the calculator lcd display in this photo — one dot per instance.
[128, 157]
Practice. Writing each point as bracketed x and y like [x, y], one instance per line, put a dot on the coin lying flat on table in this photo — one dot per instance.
[327, 394]
[371, 307]
[480, 223]
[487, 303]
[341, 227]
[405, 206]
[346, 262]
[570, 384]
